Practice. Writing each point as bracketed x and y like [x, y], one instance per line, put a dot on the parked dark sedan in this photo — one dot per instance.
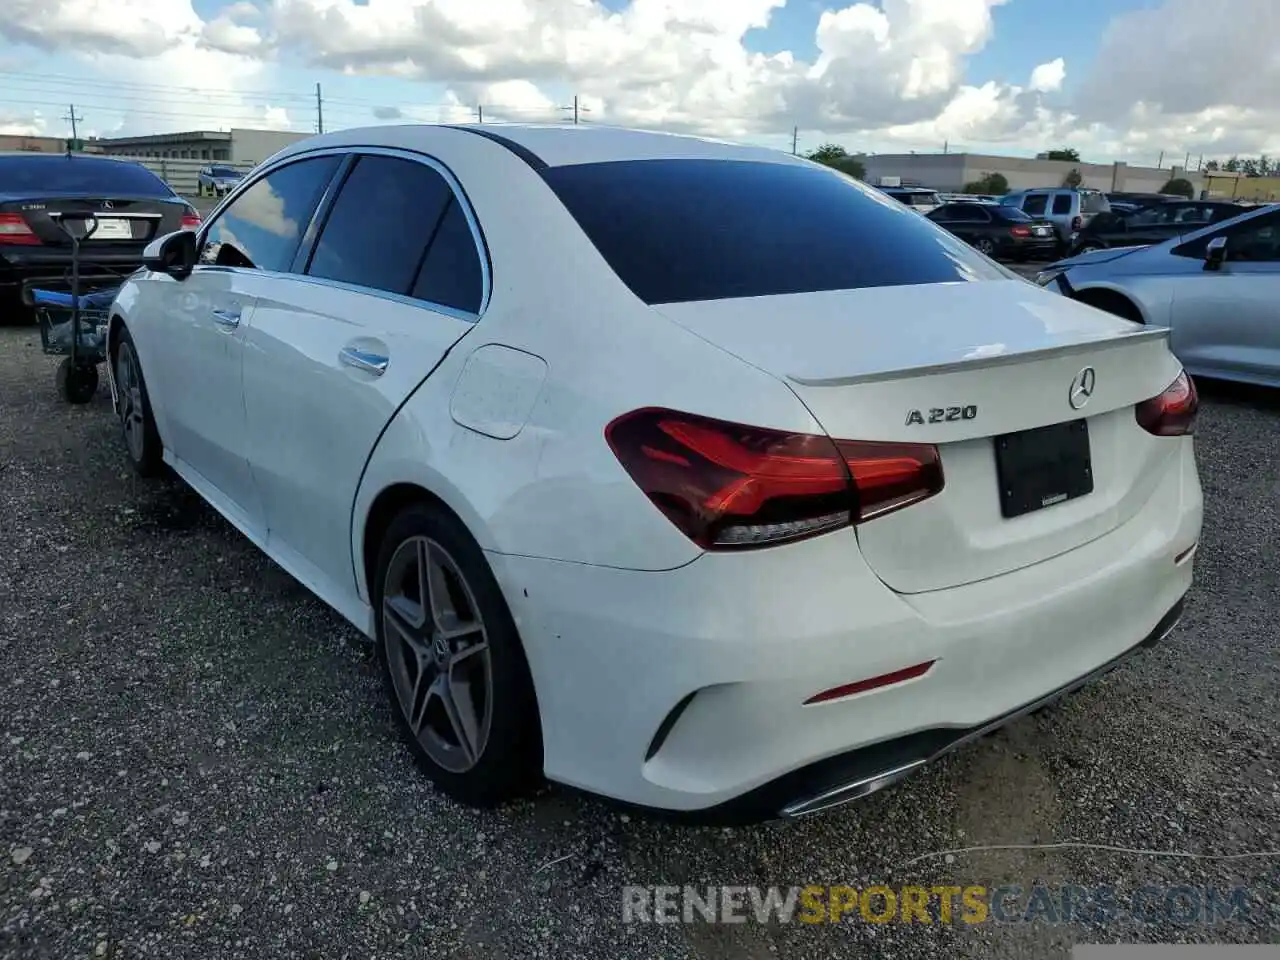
[1154, 223]
[998, 231]
[131, 205]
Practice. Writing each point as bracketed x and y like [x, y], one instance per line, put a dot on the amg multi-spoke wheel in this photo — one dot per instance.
[438, 654]
[141, 439]
[986, 246]
[454, 666]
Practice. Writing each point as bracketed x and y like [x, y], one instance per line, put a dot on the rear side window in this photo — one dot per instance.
[381, 223]
[263, 226]
[684, 230]
[1062, 204]
[46, 175]
[1035, 204]
[451, 274]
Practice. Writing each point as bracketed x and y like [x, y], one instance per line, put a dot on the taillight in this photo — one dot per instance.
[1077, 223]
[727, 486]
[1020, 231]
[14, 229]
[1172, 413]
[191, 221]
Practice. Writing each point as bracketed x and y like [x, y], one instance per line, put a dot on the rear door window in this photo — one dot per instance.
[381, 223]
[686, 230]
[1062, 204]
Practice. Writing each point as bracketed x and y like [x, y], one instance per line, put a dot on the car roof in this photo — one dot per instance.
[555, 145]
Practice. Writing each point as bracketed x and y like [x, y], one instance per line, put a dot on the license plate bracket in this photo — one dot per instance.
[1042, 467]
[113, 228]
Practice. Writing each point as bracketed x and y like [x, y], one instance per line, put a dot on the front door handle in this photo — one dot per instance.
[374, 363]
[227, 318]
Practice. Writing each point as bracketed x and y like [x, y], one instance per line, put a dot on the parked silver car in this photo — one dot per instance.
[1068, 208]
[216, 179]
[1216, 289]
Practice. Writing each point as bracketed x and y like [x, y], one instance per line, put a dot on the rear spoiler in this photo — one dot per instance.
[986, 362]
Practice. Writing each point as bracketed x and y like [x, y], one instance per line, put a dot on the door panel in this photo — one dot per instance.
[1227, 321]
[206, 316]
[201, 386]
[326, 368]
[331, 358]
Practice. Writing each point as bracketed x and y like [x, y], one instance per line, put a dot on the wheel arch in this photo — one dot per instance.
[1111, 300]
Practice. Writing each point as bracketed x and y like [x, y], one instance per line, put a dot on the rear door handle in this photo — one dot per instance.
[374, 363]
[226, 318]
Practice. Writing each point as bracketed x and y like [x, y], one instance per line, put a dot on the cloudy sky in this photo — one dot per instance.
[1123, 79]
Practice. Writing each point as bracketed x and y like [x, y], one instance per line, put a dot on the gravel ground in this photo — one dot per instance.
[196, 760]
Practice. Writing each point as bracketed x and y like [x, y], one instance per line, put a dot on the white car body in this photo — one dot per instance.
[667, 674]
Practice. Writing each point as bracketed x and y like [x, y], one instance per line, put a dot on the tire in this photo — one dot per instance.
[986, 246]
[137, 425]
[494, 753]
[77, 382]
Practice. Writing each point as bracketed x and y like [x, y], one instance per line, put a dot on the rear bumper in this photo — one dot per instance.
[36, 267]
[1037, 247]
[53, 268]
[685, 690]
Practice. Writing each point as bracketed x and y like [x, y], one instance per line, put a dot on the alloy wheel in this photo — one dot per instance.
[438, 654]
[129, 387]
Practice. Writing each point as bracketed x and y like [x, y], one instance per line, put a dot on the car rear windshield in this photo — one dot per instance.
[52, 175]
[1013, 214]
[676, 231]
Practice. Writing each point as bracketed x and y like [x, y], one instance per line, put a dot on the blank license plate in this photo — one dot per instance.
[1041, 231]
[113, 228]
[1041, 467]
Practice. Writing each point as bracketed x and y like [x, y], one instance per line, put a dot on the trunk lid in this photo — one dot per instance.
[123, 222]
[960, 366]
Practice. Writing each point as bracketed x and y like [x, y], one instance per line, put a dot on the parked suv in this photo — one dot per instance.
[1069, 210]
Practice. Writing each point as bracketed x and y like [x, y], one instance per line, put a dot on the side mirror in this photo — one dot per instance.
[174, 254]
[1215, 253]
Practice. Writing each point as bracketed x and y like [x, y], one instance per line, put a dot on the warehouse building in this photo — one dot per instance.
[233, 146]
[951, 171]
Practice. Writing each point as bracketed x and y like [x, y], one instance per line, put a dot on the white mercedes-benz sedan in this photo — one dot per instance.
[694, 475]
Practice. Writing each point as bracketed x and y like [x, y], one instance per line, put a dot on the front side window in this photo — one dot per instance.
[1256, 240]
[263, 227]
[377, 232]
[686, 230]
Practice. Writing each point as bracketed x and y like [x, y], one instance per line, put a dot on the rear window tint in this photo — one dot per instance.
[78, 174]
[676, 231]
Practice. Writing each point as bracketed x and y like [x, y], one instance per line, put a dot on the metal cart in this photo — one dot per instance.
[73, 323]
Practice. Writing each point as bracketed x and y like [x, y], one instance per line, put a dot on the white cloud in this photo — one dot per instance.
[887, 73]
[1049, 76]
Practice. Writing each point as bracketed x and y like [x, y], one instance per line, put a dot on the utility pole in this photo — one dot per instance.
[576, 109]
[480, 113]
[75, 131]
[795, 139]
[319, 111]
[946, 145]
[1187, 162]
[1160, 162]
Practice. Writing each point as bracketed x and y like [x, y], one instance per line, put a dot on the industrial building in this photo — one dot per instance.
[233, 146]
[951, 171]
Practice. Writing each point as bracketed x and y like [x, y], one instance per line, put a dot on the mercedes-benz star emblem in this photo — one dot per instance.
[1081, 388]
[108, 205]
